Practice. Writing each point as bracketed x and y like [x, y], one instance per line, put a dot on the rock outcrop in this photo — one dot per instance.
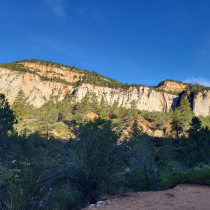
[53, 72]
[201, 103]
[38, 91]
[172, 86]
[146, 98]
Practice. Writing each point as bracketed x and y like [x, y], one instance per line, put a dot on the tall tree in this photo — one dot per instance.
[135, 130]
[103, 109]
[7, 117]
[20, 106]
[186, 113]
[196, 147]
[176, 123]
[49, 115]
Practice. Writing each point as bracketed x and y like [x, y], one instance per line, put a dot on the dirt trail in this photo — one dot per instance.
[182, 197]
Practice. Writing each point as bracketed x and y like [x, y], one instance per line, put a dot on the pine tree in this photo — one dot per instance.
[102, 103]
[94, 102]
[20, 106]
[133, 109]
[186, 113]
[49, 116]
[85, 104]
[103, 109]
[177, 122]
[135, 130]
[196, 145]
[66, 108]
[7, 117]
[195, 127]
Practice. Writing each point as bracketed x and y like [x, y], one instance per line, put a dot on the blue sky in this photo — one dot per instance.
[134, 41]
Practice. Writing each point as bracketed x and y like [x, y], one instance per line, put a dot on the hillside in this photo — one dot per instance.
[41, 79]
[67, 143]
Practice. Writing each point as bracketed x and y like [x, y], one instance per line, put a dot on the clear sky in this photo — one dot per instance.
[134, 41]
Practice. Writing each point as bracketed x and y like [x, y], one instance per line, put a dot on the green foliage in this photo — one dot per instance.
[40, 174]
[194, 175]
[186, 113]
[196, 147]
[6, 186]
[142, 174]
[30, 166]
[95, 163]
[20, 106]
[177, 122]
[7, 117]
[165, 153]
[135, 130]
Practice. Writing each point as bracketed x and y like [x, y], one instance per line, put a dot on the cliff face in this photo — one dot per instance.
[52, 72]
[146, 98]
[38, 92]
[172, 86]
[35, 90]
[201, 103]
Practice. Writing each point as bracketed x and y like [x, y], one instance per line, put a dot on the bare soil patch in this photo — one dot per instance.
[182, 197]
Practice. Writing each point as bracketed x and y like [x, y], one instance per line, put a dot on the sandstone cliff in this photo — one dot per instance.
[38, 92]
[35, 90]
[172, 86]
[53, 72]
[201, 103]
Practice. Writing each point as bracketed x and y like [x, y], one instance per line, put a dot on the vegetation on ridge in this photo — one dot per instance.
[91, 77]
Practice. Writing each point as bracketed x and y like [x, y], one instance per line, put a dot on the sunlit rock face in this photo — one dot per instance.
[201, 103]
[146, 99]
[172, 86]
[38, 92]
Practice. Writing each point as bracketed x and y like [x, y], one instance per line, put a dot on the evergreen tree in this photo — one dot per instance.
[30, 167]
[49, 115]
[85, 104]
[95, 103]
[102, 103]
[66, 108]
[135, 130]
[196, 147]
[177, 123]
[20, 106]
[186, 113]
[194, 130]
[133, 109]
[7, 117]
[7, 150]
[142, 174]
[103, 109]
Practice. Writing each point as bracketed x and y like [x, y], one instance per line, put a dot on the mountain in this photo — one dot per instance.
[41, 79]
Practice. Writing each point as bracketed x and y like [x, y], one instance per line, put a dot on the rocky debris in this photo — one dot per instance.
[91, 206]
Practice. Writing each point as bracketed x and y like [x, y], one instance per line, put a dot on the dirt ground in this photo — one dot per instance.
[182, 197]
